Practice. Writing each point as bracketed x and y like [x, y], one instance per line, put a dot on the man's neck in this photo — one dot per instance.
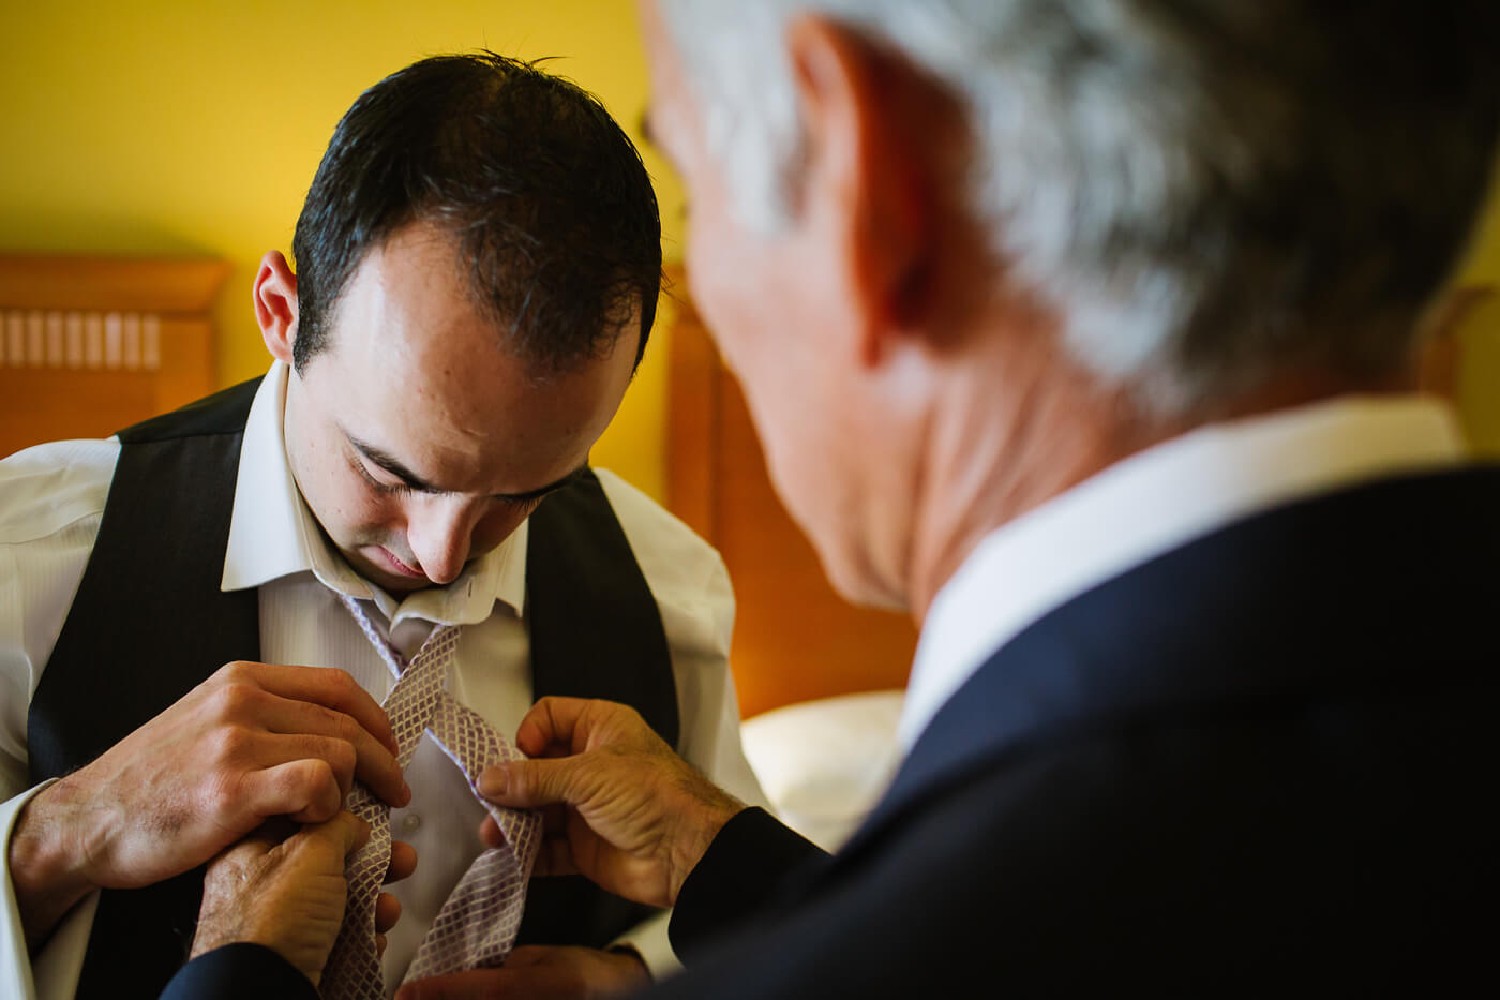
[1029, 441]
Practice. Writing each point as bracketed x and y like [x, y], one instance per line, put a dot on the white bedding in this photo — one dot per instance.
[824, 763]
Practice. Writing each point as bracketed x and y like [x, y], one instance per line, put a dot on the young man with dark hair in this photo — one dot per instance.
[477, 266]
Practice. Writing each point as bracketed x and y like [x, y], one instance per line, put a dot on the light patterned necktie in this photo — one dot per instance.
[477, 924]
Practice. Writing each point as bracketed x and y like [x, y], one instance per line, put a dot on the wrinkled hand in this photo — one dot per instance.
[252, 742]
[282, 887]
[539, 972]
[636, 818]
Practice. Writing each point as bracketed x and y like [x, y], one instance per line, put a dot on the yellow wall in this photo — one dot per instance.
[1483, 264]
[194, 126]
[1477, 387]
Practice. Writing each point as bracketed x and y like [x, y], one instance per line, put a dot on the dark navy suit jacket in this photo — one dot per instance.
[1260, 764]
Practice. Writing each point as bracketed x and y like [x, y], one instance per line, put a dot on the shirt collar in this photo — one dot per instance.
[1155, 501]
[273, 534]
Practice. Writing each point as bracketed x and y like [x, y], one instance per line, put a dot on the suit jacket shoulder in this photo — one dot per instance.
[1260, 759]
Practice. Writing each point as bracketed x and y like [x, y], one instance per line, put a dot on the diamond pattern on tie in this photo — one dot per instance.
[477, 925]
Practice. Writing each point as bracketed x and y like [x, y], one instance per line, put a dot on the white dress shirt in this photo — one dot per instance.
[1153, 502]
[51, 501]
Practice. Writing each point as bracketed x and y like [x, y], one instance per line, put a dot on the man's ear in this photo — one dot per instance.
[867, 186]
[276, 305]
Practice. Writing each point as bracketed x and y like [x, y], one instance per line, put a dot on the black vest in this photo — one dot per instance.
[149, 623]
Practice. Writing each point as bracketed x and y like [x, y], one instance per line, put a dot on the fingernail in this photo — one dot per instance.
[494, 780]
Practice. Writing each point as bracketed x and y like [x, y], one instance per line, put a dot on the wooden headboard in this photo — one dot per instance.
[91, 344]
[795, 639]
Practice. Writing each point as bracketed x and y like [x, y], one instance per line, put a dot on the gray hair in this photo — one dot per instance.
[1209, 192]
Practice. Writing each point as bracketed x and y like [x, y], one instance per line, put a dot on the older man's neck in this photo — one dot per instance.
[1013, 434]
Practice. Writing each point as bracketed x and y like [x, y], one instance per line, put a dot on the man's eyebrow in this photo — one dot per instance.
[391, 464]
[540, 492]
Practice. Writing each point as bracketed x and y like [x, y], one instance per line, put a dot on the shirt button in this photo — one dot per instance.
[411, 822]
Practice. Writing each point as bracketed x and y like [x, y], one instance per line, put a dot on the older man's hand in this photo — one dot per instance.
[283, 887]
[634, 818]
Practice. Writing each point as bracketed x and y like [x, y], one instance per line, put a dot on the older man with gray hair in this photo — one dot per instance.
[1085, 330]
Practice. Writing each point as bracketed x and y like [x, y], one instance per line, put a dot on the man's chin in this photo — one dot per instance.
[402, 585]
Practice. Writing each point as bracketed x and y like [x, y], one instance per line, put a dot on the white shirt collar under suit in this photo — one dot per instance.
[1155, 501]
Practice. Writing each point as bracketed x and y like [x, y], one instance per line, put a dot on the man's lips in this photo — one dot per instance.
[397, 566]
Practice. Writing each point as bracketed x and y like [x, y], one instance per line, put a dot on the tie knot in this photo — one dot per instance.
[408, 635]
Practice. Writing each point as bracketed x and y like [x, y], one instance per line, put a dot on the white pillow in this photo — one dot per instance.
[823, 763]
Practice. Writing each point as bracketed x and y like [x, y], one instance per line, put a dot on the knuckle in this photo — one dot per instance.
[327, 773]
[340, 684]
[308, 780]
[317, 772]
[235, 700]
[229, 745]
[222, 795]
[327, 800]
[236, 672]
[341, 757]
[323, 719]
[346, 727]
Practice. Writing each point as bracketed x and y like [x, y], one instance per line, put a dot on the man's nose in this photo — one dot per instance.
[440, 533]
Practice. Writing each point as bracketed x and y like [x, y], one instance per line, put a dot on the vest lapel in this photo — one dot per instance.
[595, 632]
[594, 627]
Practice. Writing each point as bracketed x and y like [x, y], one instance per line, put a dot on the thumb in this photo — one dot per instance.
[533, 783]
[344, 834]
[352, 833]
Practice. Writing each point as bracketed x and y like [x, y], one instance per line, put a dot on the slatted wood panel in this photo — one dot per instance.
[91, 344]
[795, 638]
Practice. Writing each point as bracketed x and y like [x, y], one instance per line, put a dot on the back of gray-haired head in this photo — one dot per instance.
[1210, 191]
